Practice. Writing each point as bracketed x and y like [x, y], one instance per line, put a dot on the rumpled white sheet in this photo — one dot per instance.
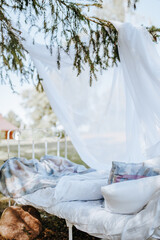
[91, 216]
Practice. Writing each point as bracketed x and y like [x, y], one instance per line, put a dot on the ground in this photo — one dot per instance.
[53, 227]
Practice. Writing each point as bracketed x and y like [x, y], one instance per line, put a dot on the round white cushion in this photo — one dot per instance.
[130, 196]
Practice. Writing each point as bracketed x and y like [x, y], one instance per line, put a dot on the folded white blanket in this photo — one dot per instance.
[81, 187]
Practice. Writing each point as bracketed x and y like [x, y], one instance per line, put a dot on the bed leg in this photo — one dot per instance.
[69, 225]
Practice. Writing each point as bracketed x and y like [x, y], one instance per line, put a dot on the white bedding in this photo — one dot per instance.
[70, 188]
[91, 216]
[129, 197]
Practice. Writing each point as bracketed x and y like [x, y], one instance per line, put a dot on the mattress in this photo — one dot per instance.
[93, 218]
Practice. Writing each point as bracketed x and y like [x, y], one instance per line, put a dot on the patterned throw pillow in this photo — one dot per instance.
[122, 171]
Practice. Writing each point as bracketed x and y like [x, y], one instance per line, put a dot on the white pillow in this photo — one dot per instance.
[130, 196]
[80, 187]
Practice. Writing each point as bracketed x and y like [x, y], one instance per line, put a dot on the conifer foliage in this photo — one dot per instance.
[64, 24]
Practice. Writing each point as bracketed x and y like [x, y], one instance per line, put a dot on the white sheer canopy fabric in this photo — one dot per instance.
[118, 117]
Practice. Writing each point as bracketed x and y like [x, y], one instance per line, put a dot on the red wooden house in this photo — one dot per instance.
[5, 126]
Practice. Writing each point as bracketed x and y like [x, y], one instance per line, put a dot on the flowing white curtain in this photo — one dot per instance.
[118, 117]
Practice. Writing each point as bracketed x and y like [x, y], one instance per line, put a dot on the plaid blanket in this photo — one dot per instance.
[19, 176]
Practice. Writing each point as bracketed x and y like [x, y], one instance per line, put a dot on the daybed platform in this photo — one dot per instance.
[91, 217]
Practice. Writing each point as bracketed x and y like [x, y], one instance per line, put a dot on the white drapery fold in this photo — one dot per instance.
[118, 118]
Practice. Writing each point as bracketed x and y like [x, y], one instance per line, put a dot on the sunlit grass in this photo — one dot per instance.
[26, 151]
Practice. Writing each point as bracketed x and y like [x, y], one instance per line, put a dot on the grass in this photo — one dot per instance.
[53, 227]
[26, 150]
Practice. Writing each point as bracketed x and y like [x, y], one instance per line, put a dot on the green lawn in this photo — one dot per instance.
[26, 150]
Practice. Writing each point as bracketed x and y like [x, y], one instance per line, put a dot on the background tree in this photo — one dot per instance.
[56, 20]
[13, 118]
[113, 9]
[39, 109]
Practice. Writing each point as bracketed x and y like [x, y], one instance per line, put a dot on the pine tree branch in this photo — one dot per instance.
[64, 26]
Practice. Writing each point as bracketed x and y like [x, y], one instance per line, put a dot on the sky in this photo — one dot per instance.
[147, 13]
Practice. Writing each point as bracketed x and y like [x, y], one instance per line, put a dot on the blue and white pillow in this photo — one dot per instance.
[122, 171]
